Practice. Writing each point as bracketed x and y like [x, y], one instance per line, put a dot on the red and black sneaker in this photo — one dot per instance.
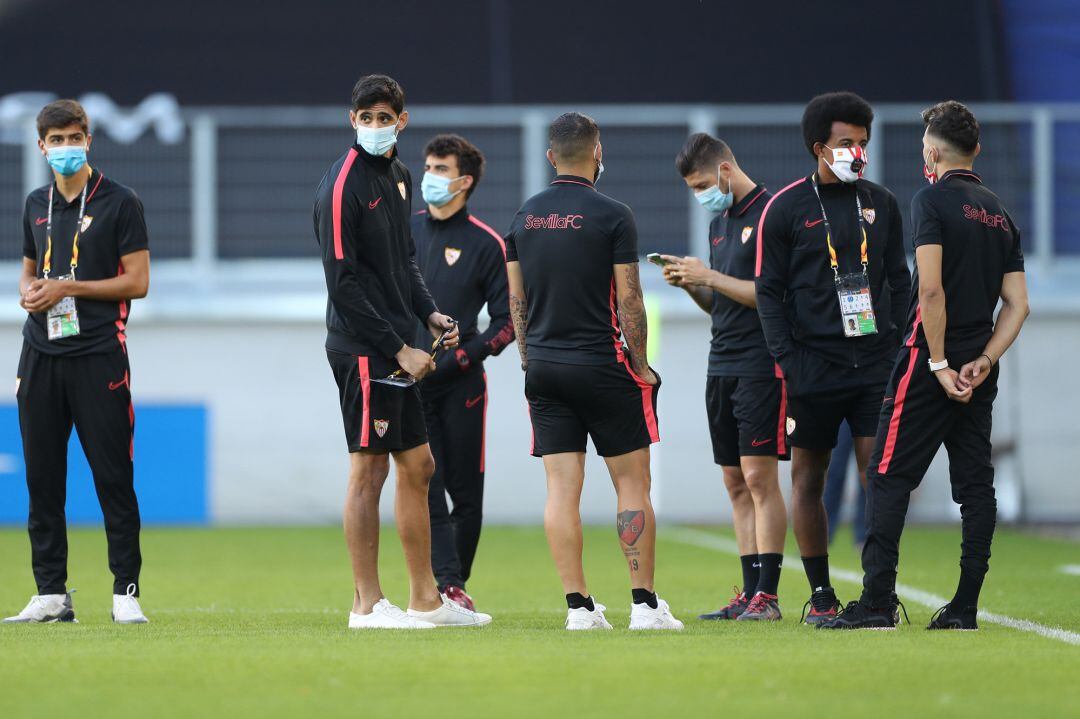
[763, 608]
[733, 610]
[823, 606]
[458, 596]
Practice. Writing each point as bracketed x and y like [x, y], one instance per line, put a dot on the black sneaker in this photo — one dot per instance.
[949, 618]
[733, 610]
[857, 615]
[823, 606]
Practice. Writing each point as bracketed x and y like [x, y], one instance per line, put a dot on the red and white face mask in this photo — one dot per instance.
[848, 162]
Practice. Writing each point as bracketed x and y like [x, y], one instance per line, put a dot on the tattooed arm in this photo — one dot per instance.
[632, 318]
[518, 307]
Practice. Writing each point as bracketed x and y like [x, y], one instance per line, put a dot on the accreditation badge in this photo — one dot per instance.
[856, 304]
[62, 320]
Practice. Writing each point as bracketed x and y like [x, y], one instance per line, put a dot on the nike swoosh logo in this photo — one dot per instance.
[810, 224]
[886, 399]
[41, 220]
[373, 205]
[470, 403]
[760, 442]
[717, 240]
[113, 386]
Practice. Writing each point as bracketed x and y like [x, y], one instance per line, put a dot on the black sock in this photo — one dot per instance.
[817, 571]
[967, 592]
[580, 601]
[644, 596]
[751, 573]
[770, 573]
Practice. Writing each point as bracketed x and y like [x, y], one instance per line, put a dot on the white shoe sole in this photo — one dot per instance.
[144, 620]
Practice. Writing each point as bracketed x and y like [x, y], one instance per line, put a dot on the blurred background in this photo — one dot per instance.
[224, 117]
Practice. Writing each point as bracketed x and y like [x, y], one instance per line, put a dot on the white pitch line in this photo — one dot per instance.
[707, 540]
[1073, 569]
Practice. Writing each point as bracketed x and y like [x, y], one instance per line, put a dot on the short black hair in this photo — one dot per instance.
[824, 110]
[61, 114]
[373, 89]
[470, 160]
[702, 151]
[952, 122]
[573, 136]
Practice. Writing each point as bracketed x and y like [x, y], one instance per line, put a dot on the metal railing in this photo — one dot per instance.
[237, 189]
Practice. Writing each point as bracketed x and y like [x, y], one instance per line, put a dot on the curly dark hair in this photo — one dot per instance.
[824, 110]
[470, 160]
[952, 122]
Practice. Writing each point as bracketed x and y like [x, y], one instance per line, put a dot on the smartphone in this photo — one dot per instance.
[656, 259]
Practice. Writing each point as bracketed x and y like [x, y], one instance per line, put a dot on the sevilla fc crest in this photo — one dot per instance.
[869, 215]
[86, 223]
[790, 425]
[452, 254]
[381, 425]
[746, 232]
[630, 525]
[401, 189]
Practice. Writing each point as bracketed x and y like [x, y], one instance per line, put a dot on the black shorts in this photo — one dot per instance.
[814, 420]
[746, 418]
[377, 417]
[609, 403]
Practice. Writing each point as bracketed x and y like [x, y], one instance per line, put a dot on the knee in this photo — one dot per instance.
[807, 486]
[735, 484]
[761, 483]
[369, 476]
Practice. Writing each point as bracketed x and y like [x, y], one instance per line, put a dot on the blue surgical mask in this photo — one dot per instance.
[377, 140]
[67, 159]
[436, 189]
[713, 199]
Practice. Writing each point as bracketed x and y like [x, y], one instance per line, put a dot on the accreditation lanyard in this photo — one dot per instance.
[47, 265]
[864, 258]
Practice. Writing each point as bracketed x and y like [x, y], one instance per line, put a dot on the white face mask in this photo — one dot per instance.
[377, 140]
[848, 162]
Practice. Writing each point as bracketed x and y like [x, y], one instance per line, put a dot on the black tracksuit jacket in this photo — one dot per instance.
[376, 292]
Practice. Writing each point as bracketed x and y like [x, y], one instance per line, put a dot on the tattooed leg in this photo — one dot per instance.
[562, 517]
[635, 521]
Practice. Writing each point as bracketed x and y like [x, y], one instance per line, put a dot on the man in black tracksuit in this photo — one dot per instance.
[463, 262]
[943, 385]
[376, 295]
[85, 247]
[832, 286]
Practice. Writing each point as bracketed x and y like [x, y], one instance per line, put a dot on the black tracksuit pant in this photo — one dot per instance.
[916, 419]
[455, 415]
[93, 394]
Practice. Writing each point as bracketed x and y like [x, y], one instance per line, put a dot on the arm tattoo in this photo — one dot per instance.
[519, 313]
[635, 328]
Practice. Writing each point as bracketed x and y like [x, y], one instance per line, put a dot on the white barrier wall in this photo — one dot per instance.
[277, 451]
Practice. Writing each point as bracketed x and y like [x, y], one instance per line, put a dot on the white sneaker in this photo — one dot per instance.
[582, 619]
[385, 615]
[46, 608]
[451, 614]
[642, 616]
[126, 609]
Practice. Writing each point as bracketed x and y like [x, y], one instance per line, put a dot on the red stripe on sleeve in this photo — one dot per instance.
[493, 233]
[761, 223]
[339, 188]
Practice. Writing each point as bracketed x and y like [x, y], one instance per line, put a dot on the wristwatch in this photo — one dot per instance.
[936, 366]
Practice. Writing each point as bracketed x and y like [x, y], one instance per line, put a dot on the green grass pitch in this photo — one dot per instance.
[252, 623]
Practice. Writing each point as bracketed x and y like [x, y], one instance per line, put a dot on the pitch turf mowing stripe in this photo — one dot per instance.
[707, 540]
